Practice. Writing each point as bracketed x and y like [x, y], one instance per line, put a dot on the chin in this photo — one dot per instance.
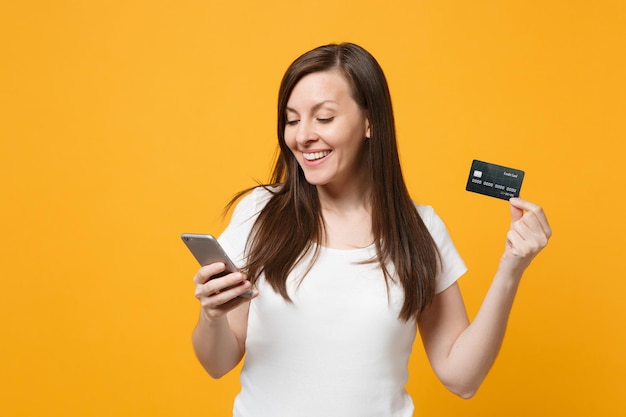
[315, 181]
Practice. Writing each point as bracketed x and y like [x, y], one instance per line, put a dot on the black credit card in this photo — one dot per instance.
[494, 180]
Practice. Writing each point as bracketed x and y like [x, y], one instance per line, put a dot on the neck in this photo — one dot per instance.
[347, 218]
[345, 199]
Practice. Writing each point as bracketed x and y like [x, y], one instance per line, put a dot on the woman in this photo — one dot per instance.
[344, 265]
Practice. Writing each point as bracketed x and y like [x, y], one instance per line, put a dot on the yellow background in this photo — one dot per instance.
[125, 123]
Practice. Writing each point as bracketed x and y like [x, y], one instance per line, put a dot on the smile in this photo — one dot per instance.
[313, 156]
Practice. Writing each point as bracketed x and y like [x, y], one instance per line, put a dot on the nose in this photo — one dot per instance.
[306, 134]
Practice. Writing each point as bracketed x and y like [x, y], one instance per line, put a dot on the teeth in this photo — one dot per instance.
[312, 156]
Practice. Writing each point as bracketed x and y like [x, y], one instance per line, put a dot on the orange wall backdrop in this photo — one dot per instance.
[125, 123]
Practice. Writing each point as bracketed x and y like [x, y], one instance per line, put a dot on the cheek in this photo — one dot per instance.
[290, 138]
[291, 144]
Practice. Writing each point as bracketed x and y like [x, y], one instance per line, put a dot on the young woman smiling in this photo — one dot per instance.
[345, 266]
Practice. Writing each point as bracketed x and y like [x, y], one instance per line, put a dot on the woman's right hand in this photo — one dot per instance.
[220, 295]
[219, 342]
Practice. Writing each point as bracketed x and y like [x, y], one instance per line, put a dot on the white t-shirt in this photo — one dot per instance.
[338, 349]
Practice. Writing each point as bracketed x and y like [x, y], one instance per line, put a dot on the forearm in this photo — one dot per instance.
[461, 353]
[476, 348]
[216, 345]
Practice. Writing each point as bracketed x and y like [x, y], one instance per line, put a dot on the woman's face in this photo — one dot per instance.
[326, 130]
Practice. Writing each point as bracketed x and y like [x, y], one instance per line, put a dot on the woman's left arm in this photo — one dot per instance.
[461, 353]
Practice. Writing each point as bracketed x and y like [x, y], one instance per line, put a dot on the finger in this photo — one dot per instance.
[230, 284]
[529, 224]
[227, 298]
[520, 248]
[211, 290]
[529, 227]
[215, 307]
[514, 239]
[527, 233]
[516, 213]
[206, 272]
[234, 291]
[536, 210]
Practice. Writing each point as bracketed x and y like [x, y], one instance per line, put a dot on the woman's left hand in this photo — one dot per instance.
[528, 235]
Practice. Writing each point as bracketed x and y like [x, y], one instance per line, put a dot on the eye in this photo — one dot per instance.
[292, 122]
[325, 119]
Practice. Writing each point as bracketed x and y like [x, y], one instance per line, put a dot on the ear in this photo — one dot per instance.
[368, 131]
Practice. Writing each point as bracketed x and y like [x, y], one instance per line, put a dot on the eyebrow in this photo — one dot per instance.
[315, 107]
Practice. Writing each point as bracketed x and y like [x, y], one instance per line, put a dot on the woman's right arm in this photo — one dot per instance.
[220, 335]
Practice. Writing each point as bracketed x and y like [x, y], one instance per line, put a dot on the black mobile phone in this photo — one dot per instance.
[207, 250]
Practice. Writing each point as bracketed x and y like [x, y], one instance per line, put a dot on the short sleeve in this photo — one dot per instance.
[233, 239]
[452, 265]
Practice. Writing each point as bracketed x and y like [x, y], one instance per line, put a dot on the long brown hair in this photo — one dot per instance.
[291, 223]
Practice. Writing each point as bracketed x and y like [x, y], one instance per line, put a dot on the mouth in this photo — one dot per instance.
[314, 156]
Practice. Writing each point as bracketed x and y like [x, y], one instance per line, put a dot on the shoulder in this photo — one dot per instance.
[245, 214]
[427, 214]
[252, 203]
[452, 265]
[435, 225]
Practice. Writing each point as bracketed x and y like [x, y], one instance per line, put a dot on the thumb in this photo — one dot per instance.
[516, 212]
